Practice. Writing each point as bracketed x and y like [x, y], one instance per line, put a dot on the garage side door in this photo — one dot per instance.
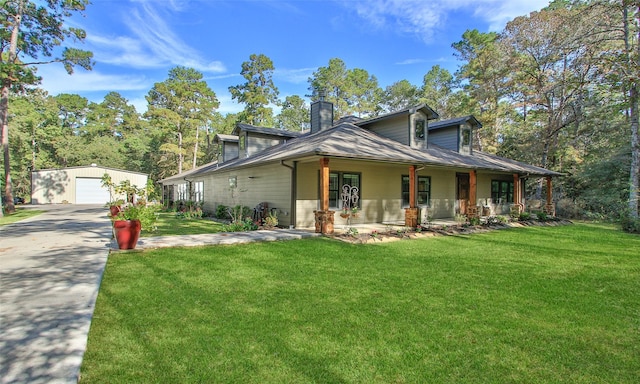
[90, 191]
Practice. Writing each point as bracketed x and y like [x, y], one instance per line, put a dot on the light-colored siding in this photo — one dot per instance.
[484, 193]
[57, 186]
[257, 143]
[269, 183]
[229, 151]
[381, 194]
[415, 142]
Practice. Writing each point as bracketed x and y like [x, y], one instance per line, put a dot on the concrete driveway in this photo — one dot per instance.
[51, 266]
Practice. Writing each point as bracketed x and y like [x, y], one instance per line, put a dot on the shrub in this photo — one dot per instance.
[270, 221]
[630, 224]
[524, 216]
[241, 226]
[222, 211]
[542, 216]
[474, 220]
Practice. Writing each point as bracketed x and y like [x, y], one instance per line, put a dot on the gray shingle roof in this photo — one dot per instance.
[223, 137]
[349, 141]
[431, 114]
[265, 130]
[455, 121]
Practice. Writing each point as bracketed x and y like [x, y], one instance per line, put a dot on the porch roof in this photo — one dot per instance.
[349, 141]
[453, 122]
[182, 176]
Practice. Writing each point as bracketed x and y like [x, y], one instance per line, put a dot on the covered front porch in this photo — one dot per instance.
[380, 195]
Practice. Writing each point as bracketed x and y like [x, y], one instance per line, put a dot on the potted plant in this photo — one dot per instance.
[132, 219]
[113, 204]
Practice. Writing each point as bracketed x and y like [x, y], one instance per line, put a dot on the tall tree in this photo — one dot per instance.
[332, 81]
[484, 73]
[399, 95]
[294, 115]
[352, 91]
[553, 64]
[437, 88]
[631, 65]
[258, 92]
[183, 105]
[33, 29]
[363, 92]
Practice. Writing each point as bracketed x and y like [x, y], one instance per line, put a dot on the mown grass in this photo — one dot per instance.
[170, 225]
[543, 304]
[19, 214]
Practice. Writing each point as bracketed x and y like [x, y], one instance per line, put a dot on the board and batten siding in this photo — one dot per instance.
[58, 186]
[269, 183]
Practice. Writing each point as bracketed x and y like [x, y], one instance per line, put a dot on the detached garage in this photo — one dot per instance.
[78, 185]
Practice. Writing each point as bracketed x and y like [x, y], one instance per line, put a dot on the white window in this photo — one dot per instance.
[198, 191]
[183, 192]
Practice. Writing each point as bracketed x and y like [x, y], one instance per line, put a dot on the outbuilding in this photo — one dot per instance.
[78, 185]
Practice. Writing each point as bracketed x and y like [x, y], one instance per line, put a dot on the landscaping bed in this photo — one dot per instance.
[353, 235]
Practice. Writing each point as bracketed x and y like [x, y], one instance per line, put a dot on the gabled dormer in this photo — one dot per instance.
[228, 147]
[409, 126]
[454, 134]
[252, 139]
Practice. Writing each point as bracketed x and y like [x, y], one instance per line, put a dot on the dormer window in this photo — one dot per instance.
[466, 137]
[420, 129]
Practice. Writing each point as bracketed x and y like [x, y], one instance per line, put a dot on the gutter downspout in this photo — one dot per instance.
[294, 191]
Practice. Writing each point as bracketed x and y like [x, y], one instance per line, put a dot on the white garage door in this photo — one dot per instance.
[90, 191]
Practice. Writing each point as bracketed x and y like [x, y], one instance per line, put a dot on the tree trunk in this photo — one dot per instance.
[633, 60]
[4, 115]
[195, 149]
[180, 154]
[4, 112]
[634, 187]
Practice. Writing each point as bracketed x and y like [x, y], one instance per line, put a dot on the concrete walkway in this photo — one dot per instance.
[51, 266]
[221, 238]
[50, 271]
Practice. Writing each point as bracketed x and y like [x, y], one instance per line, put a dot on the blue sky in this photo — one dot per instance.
[136, 42]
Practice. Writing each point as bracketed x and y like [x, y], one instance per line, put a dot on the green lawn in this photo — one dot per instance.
[169, 225]
[19, 214]
[530, 305]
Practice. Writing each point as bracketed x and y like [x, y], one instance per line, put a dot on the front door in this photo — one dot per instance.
[463, 192]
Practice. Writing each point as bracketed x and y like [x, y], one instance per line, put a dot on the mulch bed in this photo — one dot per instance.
[453, 230]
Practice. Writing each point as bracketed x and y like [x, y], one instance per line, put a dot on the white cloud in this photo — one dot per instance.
[152, 43]
[56, 80]
[423, 19]
[499, 13]
[411, 61]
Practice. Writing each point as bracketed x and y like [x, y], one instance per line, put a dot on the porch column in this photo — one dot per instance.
[411, 213]
[324, 217]
[472, 210]
[324, 184]
[517, 207]
[549, 208]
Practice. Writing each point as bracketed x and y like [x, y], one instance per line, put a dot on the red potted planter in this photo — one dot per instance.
[127, 233]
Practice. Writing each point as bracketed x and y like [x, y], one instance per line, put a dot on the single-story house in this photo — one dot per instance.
[79, 185]
[402, 167]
